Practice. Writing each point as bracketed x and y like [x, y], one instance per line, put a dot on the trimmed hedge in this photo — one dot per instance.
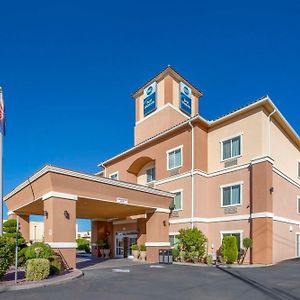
[6, 255]
[37, 269]
[55, 264]
[83, 244]
[38, 250]
[229, 249]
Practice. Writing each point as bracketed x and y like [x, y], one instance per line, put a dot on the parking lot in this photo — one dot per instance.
[145, 281]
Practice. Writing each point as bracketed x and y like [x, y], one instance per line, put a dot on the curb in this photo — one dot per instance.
[223, 266]
[77, 274]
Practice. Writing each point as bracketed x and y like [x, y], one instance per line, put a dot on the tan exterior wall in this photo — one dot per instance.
[285, 154]
[142, 176]
[250, 126]
[284, 241]
[156, 151]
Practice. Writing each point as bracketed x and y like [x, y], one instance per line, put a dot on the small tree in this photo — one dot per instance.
[10, 231]
[229, 249]
[6, 254]
[247, 243]
[192, 242]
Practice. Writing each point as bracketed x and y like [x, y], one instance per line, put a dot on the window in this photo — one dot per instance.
[299, 169]
[231, 148]
[173, 240]
[177, 202]
[298, 205]
[238, 236]
[174, 158]
[150, 174]
[114, 176]
[231, 195]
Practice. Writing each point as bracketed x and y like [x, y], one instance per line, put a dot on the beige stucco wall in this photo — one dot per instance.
[284, 152]
[36, 231]
[249, 126]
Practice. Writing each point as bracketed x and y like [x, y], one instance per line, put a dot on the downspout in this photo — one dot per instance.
[192, 175]
[270, 115]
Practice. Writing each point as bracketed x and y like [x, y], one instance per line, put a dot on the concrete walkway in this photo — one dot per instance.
[88, 262]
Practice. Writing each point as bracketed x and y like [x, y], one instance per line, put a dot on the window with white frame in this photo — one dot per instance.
[177, 202]
[238, 236]
[114, 175]
[231, 195]
[299, 169]
[150, 173]
[231, 148]
[173, 239]
[174, 158]
[298, 205]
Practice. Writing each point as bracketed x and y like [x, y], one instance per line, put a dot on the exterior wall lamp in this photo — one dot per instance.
[66, 214]
[46, 214]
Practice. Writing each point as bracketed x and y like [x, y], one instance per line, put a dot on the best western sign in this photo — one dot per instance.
[185, 101]
[150, 99]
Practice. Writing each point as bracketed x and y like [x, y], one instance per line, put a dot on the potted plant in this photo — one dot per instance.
[106, 250]
[100, 244]
[135, 251]
[143, 252]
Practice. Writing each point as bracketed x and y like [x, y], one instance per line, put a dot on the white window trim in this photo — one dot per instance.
[240, 183]
[175, 234]
[179, 191]
[230, 138]
[114, 173]
[296, 233]
[172, 150]
[298, 207]
[240, 231]
[298, 164]
[152, 181]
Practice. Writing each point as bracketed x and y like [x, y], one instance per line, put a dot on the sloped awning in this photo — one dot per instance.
[97, 197]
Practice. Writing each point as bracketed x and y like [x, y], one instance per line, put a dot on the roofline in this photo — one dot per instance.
[63, 171]
[209, 124]
[166, 70]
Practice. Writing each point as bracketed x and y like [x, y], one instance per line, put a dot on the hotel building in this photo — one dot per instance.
[236, 175]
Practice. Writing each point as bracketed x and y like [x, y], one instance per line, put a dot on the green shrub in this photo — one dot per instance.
[55, 264]
[193, 243]
[175, 253]
[37, 269]
[83, 244]
[134, 247]
[247, 242]
[142, 247]
[22, 257]
[38, 250]
[10, 231]
[229, 249]
[209, 259]
[6, 255]
[100, 243]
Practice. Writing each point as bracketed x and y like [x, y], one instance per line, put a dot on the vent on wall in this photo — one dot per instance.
[174, 172]
[230, 163]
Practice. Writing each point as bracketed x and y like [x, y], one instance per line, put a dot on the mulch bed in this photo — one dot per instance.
[9, 278]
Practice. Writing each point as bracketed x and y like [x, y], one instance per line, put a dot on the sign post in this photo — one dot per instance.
[16, 253]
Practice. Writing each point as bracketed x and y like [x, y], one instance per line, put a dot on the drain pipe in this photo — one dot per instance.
[270, 115]
[192, 174]
[102, 165]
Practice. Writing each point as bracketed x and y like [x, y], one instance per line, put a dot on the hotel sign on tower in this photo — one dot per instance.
[185, 99]
[150, 99]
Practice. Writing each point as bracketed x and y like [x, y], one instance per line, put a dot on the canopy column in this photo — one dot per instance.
[157, 233]
[23, 224]
[60, 225]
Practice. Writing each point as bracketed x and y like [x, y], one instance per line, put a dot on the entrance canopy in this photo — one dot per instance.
[97, 197]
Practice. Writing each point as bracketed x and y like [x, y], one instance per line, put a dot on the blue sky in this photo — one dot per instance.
[68, 69]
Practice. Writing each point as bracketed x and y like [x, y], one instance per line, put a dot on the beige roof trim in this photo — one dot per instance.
[173, 73]
[57, 170]
[213, 123]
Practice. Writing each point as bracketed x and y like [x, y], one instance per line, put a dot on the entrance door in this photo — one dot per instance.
[298, 244]
[123, 243]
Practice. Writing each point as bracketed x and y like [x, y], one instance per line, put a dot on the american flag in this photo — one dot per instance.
[2, 114]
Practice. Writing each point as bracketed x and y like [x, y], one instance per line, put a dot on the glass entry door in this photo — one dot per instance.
[123, 243]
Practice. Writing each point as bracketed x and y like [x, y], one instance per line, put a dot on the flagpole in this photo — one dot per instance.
[1, 176]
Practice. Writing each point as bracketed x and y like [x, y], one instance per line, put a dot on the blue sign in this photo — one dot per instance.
[185, 101]
[150, 99]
